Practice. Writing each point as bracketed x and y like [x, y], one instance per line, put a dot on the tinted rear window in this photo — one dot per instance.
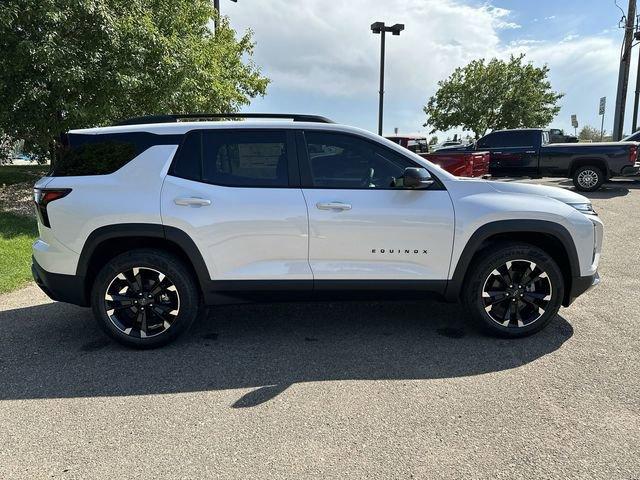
[82, 154]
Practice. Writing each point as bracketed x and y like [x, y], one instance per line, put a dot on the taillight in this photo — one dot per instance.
[43, 197]
[633, 153]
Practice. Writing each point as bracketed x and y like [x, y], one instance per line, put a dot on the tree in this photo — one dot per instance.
[80, 63]
[493, 95]
[592, 134]
[433, 140]
[7, 148]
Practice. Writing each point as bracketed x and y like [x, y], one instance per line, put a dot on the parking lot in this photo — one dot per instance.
[334, 390]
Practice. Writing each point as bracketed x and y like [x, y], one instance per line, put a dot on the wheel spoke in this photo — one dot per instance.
[537, 295]
[158, 287]
[537, 308]
[494, 296]
[137, 275]
[524, 279]
[142, 320]
[130, 283]
[120, 302]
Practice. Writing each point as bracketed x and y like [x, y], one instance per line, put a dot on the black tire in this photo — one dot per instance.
[588, 178]
[141, 277]
[482, 287]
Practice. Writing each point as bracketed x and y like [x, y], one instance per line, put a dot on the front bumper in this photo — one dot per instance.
[59, 287]
[579, 285]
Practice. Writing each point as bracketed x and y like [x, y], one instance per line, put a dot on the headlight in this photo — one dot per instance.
[585, 208]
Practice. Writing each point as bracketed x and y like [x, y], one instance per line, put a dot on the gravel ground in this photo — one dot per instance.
[17, 198]
[327, 390]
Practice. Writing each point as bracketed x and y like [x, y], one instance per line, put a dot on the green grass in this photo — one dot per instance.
[17, 233]
[10, 174]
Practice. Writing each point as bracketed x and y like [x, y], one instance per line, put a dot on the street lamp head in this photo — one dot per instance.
[397, 28]
[377, 27]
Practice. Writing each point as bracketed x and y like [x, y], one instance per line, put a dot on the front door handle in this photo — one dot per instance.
[530, 151]
[192, 201]
[333, 206]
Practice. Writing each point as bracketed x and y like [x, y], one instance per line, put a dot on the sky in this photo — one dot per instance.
[323, 59]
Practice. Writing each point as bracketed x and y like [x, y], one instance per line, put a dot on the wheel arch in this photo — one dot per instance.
[109, 241]
[548, 236]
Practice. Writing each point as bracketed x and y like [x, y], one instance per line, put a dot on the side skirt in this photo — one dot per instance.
[226, 292]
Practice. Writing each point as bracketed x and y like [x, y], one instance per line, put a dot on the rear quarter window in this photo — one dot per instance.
[81, 155]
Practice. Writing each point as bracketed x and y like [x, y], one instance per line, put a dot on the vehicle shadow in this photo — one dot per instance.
[611, 189]
[56, 351]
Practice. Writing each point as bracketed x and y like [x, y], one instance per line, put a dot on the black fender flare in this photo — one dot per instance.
[454, 285]
[149, 230]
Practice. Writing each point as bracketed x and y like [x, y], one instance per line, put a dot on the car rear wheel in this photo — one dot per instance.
[145, 298]
[513, 290]
[588, 178]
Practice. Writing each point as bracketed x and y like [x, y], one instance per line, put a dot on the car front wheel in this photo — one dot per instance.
[513, 290]
[145, 298]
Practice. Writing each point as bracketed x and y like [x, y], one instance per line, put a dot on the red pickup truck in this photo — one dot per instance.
[471, 164]
[459, 163]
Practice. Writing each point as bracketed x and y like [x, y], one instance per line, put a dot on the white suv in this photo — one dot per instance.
[150, 220]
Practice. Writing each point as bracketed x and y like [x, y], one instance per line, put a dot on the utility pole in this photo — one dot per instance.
[381, 28]
[623, 73]
[636, 98]
[216, 5]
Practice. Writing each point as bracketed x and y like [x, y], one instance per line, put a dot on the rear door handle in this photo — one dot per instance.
[530, 151]
[192, 201]
[333, 206]
[498, 153]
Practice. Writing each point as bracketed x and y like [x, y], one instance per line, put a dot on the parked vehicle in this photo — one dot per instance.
[527, 152]
[414, 143]
[635, 137]
[461, 164]
[148, 221]
[448, 143]
[557, 136]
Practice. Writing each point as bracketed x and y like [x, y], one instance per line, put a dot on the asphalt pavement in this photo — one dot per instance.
[334, 390]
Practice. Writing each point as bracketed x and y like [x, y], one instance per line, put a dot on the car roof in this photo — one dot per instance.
[178, 128]
[521, 130]
[415, 136]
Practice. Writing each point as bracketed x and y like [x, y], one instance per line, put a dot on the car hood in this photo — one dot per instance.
[562, 194]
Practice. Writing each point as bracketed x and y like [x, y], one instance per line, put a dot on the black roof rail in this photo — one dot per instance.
[222, 116]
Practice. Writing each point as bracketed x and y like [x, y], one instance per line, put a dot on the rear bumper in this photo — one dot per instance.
[59, 287]
[579, 285]
[630, 170]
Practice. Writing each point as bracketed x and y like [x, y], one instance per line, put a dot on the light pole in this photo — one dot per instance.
[216, 5]
[381, 28]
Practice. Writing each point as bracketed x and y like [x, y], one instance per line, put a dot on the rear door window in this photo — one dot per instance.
[245, 158]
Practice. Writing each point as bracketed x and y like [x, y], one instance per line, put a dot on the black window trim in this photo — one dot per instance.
[305, 163]
[292, 156]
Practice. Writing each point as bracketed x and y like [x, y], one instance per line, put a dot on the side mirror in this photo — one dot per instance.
[417, 178]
